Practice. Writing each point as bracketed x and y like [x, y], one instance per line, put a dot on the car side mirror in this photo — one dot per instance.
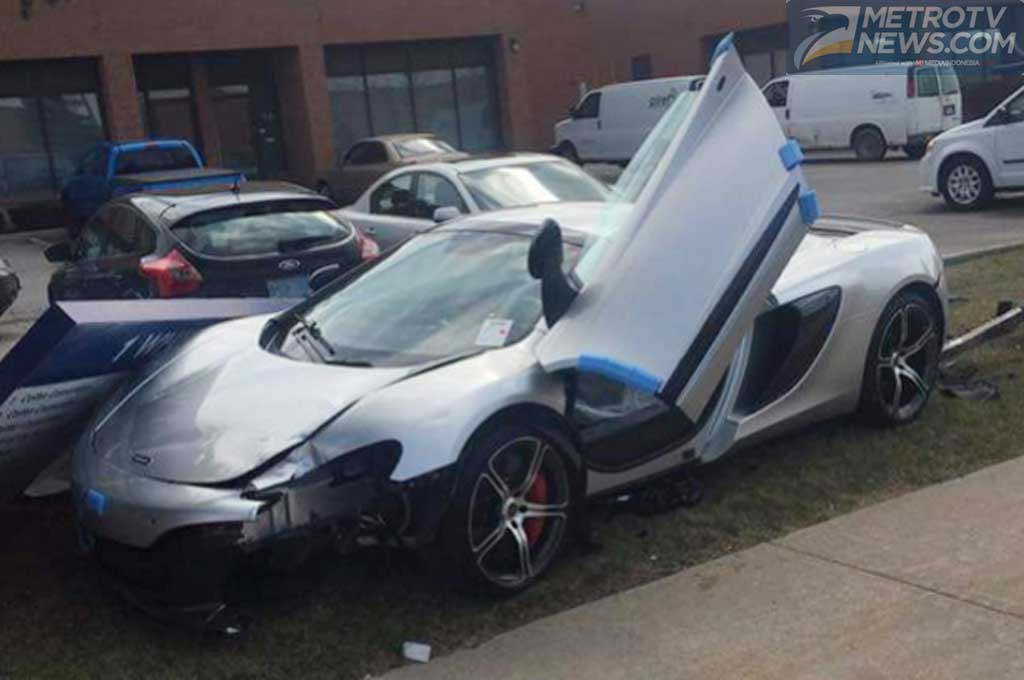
[545, 260]
[319, 279]
[573, 112]
[446, 213]
[58, 252]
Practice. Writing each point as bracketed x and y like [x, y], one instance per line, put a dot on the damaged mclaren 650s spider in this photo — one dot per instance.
[473, 388]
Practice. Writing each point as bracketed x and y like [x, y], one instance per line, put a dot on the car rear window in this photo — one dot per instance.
[409, 148]
[271, 228]
[154, 159]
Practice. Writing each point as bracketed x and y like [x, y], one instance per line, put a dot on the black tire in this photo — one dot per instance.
[324, 189]
[965, 183]
[915, 151]
[494, 547]
[903, 360]
[567, 150]
[869, 144]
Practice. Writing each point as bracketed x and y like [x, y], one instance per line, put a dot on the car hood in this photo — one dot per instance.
[222, 405]
[961, 130]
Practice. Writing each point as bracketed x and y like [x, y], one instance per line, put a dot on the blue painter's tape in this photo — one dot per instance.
[724, 45]
[810, 210]
[791, 154]
[629, 375]
[96, 501]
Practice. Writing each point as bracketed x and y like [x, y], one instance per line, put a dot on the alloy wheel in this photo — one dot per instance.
[964, 184]
[518, 512]
[904, 370]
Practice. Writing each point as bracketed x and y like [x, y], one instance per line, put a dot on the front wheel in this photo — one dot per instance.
[965, 184]
[567, 150]
[903, 360]
[512, 510]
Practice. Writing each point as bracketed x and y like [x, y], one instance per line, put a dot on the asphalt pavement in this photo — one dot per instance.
[929, 586]
[24, 251]
[890, 190]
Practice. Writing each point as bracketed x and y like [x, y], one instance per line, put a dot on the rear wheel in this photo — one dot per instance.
[965, 183]
[903, 360]
[869, 145]
[512, 510]
[915, 151]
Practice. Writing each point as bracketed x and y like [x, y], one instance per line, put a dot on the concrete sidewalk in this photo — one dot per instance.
[930, 585]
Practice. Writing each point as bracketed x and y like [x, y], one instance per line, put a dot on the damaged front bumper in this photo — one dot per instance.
[174, 546]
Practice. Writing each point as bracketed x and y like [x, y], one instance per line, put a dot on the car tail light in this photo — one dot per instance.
[368, 248]
[911, 85]
[172, 275]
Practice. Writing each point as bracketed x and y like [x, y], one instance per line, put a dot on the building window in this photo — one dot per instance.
[643, 67]
[446, 88]
[165, 97]
[50, 115]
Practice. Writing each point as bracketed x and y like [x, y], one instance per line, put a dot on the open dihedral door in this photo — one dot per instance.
[719, 205]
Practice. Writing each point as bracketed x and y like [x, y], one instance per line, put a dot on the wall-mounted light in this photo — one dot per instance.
[514, 46]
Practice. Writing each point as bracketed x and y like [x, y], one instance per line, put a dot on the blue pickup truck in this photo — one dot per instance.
[113, 169]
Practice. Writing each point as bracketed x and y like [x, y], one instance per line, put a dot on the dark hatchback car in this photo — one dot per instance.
[251, 240]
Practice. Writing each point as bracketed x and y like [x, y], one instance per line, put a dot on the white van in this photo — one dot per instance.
[968, 165]
[868, 108]
[609, 124]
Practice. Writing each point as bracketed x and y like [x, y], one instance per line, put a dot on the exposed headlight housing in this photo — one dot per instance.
[309, 464]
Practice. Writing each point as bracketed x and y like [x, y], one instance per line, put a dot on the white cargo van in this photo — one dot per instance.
[609, 124]
[868, 108]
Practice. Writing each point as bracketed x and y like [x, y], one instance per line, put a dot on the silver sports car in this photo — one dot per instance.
[476, 386]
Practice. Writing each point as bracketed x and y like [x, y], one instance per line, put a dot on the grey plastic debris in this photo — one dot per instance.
[962, 384]
[1007, 320]
[416, 651]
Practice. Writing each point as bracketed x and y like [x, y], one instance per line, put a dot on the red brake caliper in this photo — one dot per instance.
[538, 494]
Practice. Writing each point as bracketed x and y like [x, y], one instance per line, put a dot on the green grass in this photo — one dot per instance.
[345, 618]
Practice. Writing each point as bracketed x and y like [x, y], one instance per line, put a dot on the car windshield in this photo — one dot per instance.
[155, 159]
[267, 228]
[444, 294]
[516, 186]
[422, 146]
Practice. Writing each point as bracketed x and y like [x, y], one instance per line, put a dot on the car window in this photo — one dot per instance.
[267, 228]
[367, 153]
[393, 197]
[93, 238]
[513, 186]
[1015, 108]
[443, 294]
[590, 107]
[422, 146]
[154, 159]
[927, 83]
[122, 227]
[949, 81]
[777, 94]
[433, 192]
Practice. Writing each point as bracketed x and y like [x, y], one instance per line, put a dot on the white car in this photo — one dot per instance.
[869, 109]
[411, 200]
[609, 124]
[970, 163]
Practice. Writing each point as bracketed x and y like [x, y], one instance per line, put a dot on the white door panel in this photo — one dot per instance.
[671, 288]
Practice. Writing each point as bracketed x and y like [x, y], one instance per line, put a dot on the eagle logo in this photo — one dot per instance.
[835, 29]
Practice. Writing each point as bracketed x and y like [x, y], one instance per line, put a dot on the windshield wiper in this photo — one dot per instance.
[312, 331]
